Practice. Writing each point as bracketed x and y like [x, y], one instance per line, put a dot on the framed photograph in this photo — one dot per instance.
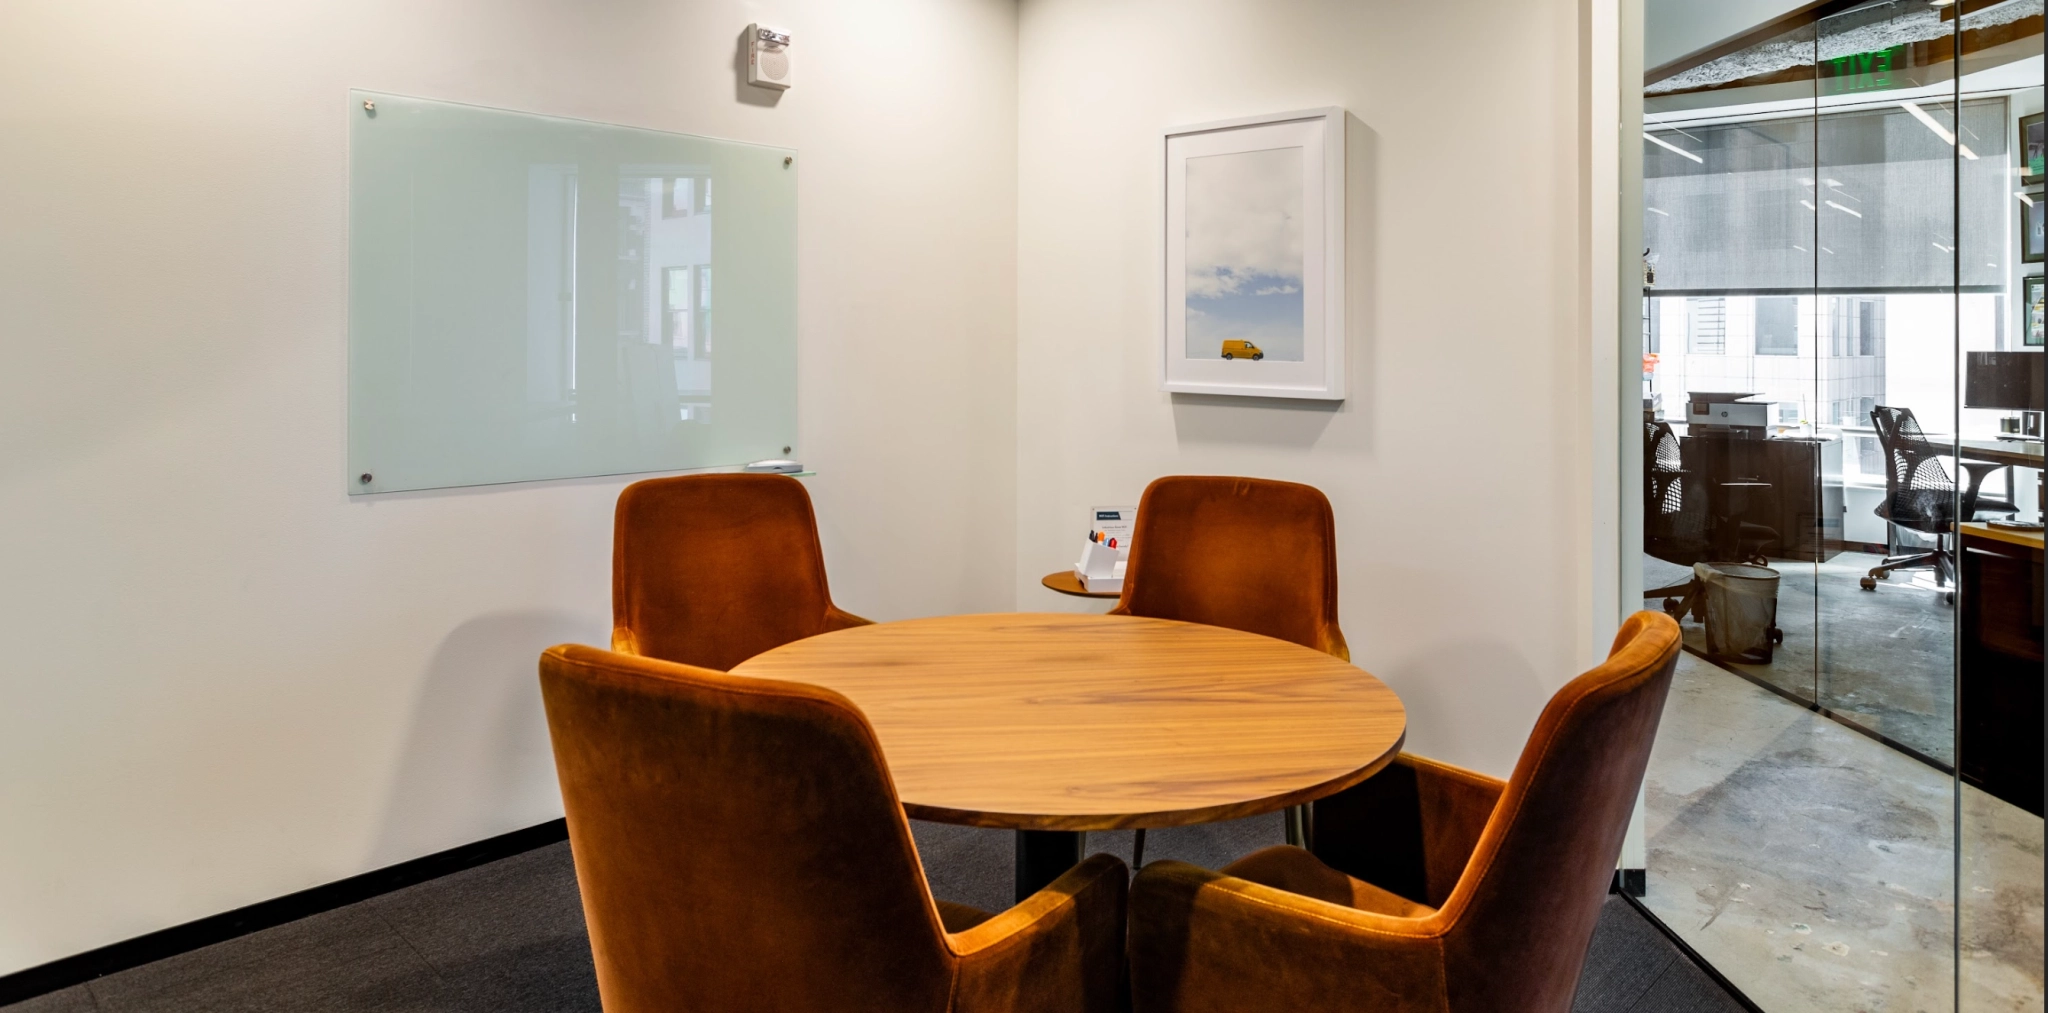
[2033, 241]
[2033, 151]
[2030, 310]
[1255, 257]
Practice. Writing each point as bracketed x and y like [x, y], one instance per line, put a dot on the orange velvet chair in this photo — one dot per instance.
[1244, 553]
[739, 846]
[1437, 889]
[711, 570]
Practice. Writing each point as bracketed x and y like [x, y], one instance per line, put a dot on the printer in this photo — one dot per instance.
[1727, 412]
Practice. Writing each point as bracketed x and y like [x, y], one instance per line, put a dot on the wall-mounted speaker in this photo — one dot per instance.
[767, 57]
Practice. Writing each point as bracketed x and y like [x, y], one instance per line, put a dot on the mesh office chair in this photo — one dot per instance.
[1674, 515]
[1920, 496]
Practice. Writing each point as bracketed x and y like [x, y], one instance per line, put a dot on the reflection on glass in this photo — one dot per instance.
[1835, 222]
[531, 298]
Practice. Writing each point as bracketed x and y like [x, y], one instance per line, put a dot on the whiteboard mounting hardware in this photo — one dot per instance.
[767, 57]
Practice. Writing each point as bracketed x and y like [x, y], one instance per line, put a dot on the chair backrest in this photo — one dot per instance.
[1675, 523]
[711, 570]
[1523, 913]
[738, 842]
[1918, 490]
[1243, 553]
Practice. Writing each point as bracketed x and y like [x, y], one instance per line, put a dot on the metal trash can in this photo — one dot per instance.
[1739, 604]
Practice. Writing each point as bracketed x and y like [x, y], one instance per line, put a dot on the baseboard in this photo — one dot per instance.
[1633, 882]
[1691, 954]
[68, 971]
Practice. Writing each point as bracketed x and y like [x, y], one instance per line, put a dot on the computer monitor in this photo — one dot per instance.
[2009, 381]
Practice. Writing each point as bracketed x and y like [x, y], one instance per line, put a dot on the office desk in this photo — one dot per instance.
[1803, 503]
[1999, 733]
[1055, 724]
[2013, 453]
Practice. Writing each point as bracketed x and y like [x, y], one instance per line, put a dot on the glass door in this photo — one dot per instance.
[1838, 811]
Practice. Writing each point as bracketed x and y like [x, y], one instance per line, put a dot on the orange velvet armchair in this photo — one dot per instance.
[1243, 553]
[711, 570]
[1437, 889]
[739, 846]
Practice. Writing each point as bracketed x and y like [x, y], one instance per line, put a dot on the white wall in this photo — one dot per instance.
[226, 681]
[1460, 468]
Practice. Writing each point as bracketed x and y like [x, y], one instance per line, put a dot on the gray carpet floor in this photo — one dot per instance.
[508, 937]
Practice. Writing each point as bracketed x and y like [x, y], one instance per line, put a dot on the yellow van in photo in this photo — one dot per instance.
[1242, 350]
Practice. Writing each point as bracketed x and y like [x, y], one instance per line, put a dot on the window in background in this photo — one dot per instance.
[1706, 325]
[1777, 325]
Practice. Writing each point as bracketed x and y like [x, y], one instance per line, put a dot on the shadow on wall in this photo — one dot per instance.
[1442, 685]
[476, 760]
[1289, 422]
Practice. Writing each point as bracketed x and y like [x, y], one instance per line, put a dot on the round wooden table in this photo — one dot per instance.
[1055, 724]
[1065, 582]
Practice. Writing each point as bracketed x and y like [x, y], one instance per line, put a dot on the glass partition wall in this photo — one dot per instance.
[1841, 342]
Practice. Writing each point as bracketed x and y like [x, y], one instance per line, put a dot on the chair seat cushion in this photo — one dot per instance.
[1285, 867]
[960, 917]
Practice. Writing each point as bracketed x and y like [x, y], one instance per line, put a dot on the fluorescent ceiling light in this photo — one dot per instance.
[1944, 249]
[1846, 211]
[1939, 130]
[2024, 197]
[1808, 205]
[1832, 182]
[1662, 143]
[1827, 251]
[1660, 211]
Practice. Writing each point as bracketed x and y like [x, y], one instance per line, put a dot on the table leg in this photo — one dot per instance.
[1042, 856]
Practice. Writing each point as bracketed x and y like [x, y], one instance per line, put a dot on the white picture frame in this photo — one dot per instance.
[1254, 257]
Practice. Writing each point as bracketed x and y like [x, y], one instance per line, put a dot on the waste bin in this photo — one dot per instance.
[1739, 604]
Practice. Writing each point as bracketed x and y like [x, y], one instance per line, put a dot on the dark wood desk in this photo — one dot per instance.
[1801, 496]
[1999, 705]
[2012, 453]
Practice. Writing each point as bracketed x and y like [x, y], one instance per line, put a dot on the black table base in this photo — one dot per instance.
[1043, 856]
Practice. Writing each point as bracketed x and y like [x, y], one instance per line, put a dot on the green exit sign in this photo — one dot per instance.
[1856, 72]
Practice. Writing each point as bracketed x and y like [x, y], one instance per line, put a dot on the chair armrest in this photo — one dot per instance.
[1202, 941]
[1059, 949]
[840, 619]
[623, 640]
[1410, 829]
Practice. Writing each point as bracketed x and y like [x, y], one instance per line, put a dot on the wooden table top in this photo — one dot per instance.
[1085, 722]
[1066, 582]
[1979, 529]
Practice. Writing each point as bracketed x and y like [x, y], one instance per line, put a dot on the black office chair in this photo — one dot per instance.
[1920, 496]
[1675, 525]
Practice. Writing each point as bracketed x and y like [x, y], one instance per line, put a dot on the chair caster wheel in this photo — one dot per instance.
[1949, 598]
[1869, 583]
[1674, 607]
[1776, 635]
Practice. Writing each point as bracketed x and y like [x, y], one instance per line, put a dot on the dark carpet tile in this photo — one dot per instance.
[76, 999]
[507, 937]
[1626, 958]
[974, 866]
[347, 959]
[1684, 988]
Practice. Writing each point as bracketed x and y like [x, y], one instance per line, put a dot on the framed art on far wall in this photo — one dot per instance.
[2033, 239]
[2033, 150]
[2030, 310]
[1255, 257]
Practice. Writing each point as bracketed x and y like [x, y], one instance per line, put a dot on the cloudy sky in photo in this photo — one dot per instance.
[1244, 252]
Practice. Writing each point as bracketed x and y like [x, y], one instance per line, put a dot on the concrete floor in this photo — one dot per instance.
[1885, 658]
[1814, 866]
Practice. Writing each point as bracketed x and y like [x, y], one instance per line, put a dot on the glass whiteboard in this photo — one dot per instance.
[533, 297]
